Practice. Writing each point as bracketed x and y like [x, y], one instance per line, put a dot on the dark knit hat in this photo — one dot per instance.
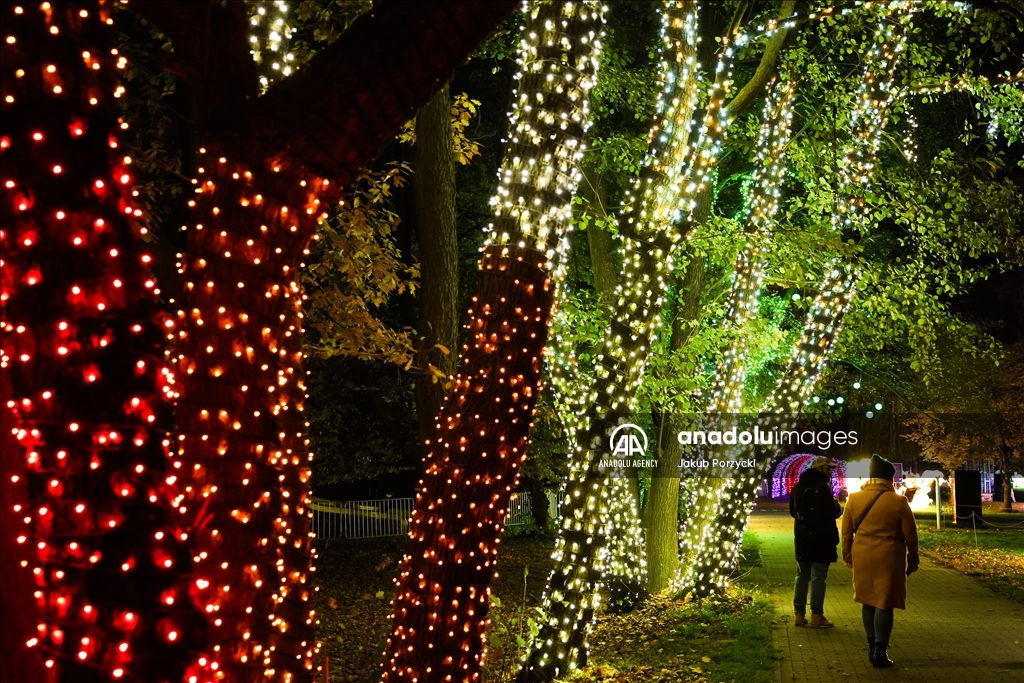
[881, 468]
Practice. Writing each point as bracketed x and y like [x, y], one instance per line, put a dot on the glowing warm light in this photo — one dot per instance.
[69, 416]
[522, 254]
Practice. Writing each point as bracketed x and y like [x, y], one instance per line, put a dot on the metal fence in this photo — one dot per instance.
[361, 518]
[520, 510]
[388, 517]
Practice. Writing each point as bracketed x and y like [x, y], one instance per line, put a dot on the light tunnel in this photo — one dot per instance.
[788, 470]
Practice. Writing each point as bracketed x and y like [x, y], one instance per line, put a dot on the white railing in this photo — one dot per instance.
[388, 516]
[361, 518]
[520, 511]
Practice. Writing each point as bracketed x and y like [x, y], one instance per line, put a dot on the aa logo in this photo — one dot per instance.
[627, 444]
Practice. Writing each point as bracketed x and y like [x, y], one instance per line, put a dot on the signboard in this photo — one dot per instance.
[967, 498]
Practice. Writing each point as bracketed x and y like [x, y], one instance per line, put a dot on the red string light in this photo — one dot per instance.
[440, 609]
[81, 336]
[241, 443]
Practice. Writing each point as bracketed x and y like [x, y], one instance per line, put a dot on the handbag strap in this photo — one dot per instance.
[866, 511]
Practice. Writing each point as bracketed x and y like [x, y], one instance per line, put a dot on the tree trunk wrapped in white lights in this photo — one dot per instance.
[674, 174]
[712, 541]
[440, 611]
[663, 209]
[748, 278]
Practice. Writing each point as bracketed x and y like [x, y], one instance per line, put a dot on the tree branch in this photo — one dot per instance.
[211, 54]
[335, 114]
[766, 68]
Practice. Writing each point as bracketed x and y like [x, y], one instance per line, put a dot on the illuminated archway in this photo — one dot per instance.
[789, 469]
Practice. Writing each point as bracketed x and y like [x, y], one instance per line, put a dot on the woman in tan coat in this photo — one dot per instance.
[880, 543]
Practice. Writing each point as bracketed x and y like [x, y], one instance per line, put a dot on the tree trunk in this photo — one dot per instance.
[576, 580]
[86, 479]
[572, 592]
[626, 576]
[602, 244]
[1007, 476]
[434, 185]
[661, 516]
[336, 113]
[240, 414]
[661, 513]
[440, 610]
[17, 606]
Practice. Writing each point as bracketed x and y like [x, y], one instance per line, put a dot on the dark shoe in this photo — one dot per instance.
[881, 660]
[871, 650]
[799, 620]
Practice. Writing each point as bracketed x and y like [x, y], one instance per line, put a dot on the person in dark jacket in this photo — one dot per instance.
[815, 511]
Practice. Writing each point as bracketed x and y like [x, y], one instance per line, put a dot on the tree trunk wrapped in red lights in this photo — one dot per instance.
[240, 420]
[440, 612]
[83, 371]
[403, 51]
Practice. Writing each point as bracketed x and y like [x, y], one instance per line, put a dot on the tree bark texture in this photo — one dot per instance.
[648, 243]
[702, 537]
[572, 590]
[440, 610]
[86, 478]
[626, 575]
[661, 512]
[580, 566]
[721, 535]
[17, 606]
[434, 185]
[602, 244]
[239, 410]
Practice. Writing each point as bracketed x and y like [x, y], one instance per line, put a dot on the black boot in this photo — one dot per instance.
[871, 650]
[881, 660]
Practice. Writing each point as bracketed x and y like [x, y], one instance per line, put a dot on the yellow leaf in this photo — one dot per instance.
[705, 659]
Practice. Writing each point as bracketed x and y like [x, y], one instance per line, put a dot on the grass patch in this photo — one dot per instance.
[995, 557]
[750, 551]
[993, 517]
[725, 639]
[356, 581]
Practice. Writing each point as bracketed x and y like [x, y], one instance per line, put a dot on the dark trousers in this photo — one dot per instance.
[813, 573]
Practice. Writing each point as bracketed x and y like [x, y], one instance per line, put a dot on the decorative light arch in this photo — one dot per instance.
[789, 469]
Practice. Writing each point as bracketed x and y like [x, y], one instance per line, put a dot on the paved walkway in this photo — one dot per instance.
[954, 630]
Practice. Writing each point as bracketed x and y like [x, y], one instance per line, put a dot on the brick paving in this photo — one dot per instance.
[954, 630]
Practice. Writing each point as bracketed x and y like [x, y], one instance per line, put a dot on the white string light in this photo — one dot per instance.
[270, 32]
[713, 545]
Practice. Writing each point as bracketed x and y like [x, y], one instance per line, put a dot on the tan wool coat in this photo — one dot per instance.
[885, 543]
